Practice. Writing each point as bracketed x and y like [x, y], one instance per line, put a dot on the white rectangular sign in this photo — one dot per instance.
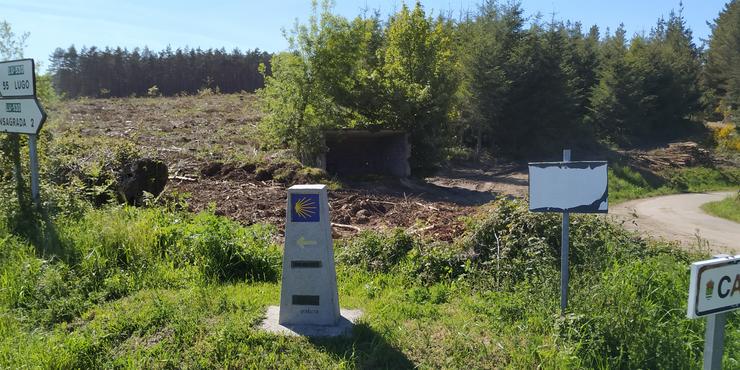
[714, 286]
[22, 116]
[579, 187]
[17, 78]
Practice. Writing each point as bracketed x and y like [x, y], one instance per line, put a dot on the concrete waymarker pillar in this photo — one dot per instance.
[309, 303]
[309, 286]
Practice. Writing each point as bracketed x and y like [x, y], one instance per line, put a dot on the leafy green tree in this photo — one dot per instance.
[675, 82]
[118, 72]
[11, 47]
[528, 88]
[496, 32]
[298, 98]
[347, 62]
[417, 66]
[541, 115]
[722, 72]
[295, 107]
[357, 74]
[582, 61]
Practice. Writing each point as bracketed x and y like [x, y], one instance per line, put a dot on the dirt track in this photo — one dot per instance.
[679, 217]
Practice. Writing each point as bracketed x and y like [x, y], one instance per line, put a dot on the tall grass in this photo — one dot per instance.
[627, 299]
[109, 253]
[159, 288]
[728, 208]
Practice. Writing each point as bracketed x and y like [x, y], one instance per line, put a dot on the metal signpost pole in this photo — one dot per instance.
[714, 341]
[564, 252]
[34, 169]
[712, 294]
[20, 112]
[568, 187]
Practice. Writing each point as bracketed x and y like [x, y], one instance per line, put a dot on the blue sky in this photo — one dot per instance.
[258, 24]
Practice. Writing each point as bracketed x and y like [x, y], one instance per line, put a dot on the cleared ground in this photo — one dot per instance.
[210, 144]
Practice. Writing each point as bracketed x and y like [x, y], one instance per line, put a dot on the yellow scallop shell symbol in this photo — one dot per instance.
[305, 208]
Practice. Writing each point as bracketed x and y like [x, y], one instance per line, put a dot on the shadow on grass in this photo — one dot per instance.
[365, 348]
[25, 218]
[36, 226]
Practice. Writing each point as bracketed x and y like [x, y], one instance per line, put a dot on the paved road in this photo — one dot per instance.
[680, 218]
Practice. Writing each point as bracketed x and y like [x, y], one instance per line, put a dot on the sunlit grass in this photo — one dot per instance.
[728, 208]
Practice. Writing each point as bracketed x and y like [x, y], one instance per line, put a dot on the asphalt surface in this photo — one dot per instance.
[680, 218]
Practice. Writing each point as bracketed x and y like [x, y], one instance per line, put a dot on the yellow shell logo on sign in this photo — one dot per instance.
[304, 207]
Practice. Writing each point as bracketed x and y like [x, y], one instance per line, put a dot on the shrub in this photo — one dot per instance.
[225, 251]
[426, 263]
[526, 241]
[374, 251]
[48, 290]
[727, 138]
[436, 262]
[698, 179]
[92, 171]
[153, 91]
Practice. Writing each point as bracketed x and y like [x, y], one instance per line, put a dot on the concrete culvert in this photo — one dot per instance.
[358, 152]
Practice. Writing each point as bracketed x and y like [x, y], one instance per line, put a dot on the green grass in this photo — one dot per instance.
[728, 208]
[160, 288]
[627, 184]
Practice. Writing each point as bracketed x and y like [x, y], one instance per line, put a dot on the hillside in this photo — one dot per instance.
[445, 277]
[153, 232]
[210, 144]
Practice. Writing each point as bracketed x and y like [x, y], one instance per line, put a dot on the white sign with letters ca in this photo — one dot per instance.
[714, 286]
[20, 112]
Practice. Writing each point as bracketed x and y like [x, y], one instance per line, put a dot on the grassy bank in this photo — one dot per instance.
[627, 184]
[728, 208]
[159, 288]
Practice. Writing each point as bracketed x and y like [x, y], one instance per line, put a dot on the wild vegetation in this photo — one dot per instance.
[86, 282]
[627, 184]
[490, 80]
[362, 74]
[728, 208]
[157, 287]
[521, 86]
[722, 70]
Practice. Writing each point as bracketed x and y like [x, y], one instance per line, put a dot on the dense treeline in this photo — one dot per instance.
[722, 72]
[118, 72]
[552, 85]
[490, 80]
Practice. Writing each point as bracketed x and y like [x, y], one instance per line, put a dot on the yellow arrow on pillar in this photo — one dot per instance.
[302, 242]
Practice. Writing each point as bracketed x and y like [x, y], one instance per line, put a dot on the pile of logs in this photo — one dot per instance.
[685, 154]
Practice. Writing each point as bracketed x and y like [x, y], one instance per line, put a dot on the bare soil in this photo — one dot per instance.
[209, 143]
[185, 131]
